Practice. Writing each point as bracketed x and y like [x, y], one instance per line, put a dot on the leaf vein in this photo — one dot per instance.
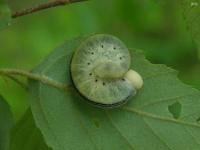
[162, 141]
[196, 141]
[159, 74]
[106, 112]
[153, 116]
[84, 128]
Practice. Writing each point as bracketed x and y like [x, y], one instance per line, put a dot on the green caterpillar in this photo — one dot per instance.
[100, 71]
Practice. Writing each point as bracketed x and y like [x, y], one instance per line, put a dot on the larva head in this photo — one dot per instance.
[98, 70]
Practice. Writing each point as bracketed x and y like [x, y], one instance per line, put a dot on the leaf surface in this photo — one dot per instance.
[6, 123]
[191, 12]
[147, 121]
[26, 136]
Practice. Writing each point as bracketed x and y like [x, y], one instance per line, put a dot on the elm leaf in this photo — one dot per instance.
[145, 122]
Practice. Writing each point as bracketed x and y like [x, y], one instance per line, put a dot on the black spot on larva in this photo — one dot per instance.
[96, 80]
[102, 46]
[90, 74]
[123, 79]
[120, 58]
[114, 47]
[92, 53]
[88, 63]
[104, 83]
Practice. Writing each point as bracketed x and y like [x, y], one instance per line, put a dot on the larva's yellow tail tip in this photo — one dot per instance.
[135, 78]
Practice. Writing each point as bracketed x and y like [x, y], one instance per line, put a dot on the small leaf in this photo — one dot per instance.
[26, 136]
[145, 123]
[5, 14]
[6, 123]
[191, 12]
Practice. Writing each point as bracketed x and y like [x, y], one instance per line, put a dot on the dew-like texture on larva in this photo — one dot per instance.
[98, 67]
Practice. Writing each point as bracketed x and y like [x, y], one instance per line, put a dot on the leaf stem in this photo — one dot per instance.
[34, 76]
[43, 6]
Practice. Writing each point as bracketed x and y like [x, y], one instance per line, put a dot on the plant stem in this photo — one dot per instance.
[44, 6]
[34, 76]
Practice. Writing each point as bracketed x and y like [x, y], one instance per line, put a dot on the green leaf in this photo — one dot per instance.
[191, 12]
[6, 123]
[26, 136]
[5, 14]
[145, 123]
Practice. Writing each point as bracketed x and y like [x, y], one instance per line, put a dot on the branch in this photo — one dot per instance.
[44, 6]
[34, 76]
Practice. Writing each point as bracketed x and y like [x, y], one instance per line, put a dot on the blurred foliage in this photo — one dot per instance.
[6, 123]
[5, 14]
[25, 128]
[148, 25]
[191, 12]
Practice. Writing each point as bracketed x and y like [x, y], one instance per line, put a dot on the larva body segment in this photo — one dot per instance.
[98, 71]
